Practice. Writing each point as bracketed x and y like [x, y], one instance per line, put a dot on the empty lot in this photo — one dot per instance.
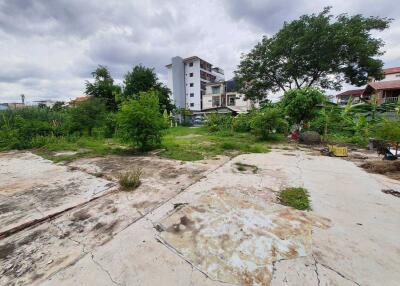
[203, 223]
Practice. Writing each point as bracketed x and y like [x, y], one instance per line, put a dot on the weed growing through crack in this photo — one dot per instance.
[130, 180]
[246, 167]
[297, 198]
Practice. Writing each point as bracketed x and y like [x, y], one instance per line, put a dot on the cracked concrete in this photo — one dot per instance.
[360, 248]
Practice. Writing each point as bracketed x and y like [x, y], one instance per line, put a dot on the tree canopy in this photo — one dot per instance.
[143, 79]
[315, 50]
[103, 87]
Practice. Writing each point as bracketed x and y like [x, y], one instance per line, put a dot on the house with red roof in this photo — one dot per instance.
[386, 90]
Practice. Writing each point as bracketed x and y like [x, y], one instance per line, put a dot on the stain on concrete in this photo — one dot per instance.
[236, 239]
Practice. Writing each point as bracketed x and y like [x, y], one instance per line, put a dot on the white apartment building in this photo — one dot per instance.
[223, 94]
[187, 79]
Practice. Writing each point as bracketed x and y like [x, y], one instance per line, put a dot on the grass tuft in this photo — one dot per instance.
[297, 198]
[130, 180]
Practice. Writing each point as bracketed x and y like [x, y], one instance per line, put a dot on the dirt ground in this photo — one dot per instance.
[203, 223]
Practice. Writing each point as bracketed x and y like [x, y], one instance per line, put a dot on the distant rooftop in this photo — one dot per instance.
[351, 92]
[391, 70]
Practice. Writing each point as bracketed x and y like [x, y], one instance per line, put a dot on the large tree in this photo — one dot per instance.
[143, 79]
[315, 50]
[103, 87]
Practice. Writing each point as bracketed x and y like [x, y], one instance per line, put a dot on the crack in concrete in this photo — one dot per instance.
[338, 273]
[105, 271]
[316, 270]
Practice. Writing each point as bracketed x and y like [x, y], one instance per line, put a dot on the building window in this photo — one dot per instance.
[231, 101]
[192, 94]
[191, 84]
[191, 74]
[397, 75]
[215, 89]
[215, 101]
[191, 64]
[191, 104]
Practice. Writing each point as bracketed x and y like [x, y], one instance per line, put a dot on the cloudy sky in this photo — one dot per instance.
[49, 47]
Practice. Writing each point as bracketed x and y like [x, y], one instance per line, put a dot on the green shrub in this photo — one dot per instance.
[242, 123]
[389, 131]
[140, 121]
[130, 180]
[301, 105]
[86, 116]
[218, 122]
[268, 121]
[18, 127]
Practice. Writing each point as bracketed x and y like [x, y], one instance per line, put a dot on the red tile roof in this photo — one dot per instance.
[391, 70]
[390, 84]
[353, 92]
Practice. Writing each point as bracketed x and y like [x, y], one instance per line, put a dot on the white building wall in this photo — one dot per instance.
[192, 98]
[193, 95]
[394, 76]
[170, 83]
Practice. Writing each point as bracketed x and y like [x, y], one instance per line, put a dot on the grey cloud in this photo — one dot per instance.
[19, 71]
[50, 47]
[269, 15]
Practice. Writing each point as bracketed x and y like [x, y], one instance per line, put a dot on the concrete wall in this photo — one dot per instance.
[178, 83]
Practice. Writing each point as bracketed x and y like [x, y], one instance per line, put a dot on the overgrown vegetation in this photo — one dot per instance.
[297, 198]
[197, 143]
[130, 180]
[135, 116]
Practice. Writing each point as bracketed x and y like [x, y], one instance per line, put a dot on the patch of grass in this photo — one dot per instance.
[246, 167]
[297, 198]
[192, 144]
[130, 180]
[85, 147]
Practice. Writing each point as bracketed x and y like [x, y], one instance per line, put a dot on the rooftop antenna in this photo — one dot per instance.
[23, 98]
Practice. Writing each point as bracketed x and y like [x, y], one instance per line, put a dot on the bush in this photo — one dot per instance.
[388, 130]
[268, 121]
[87, 115]
[301, 105]
[18, 127]
[131, 179]
[218, 122]
[139, 121]
[242, 123]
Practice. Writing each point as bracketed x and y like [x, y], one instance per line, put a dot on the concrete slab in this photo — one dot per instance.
[360, 248]
[30, 256]
[32, 188]
[235, 238]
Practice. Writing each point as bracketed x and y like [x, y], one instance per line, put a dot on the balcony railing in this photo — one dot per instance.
[390, 99]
